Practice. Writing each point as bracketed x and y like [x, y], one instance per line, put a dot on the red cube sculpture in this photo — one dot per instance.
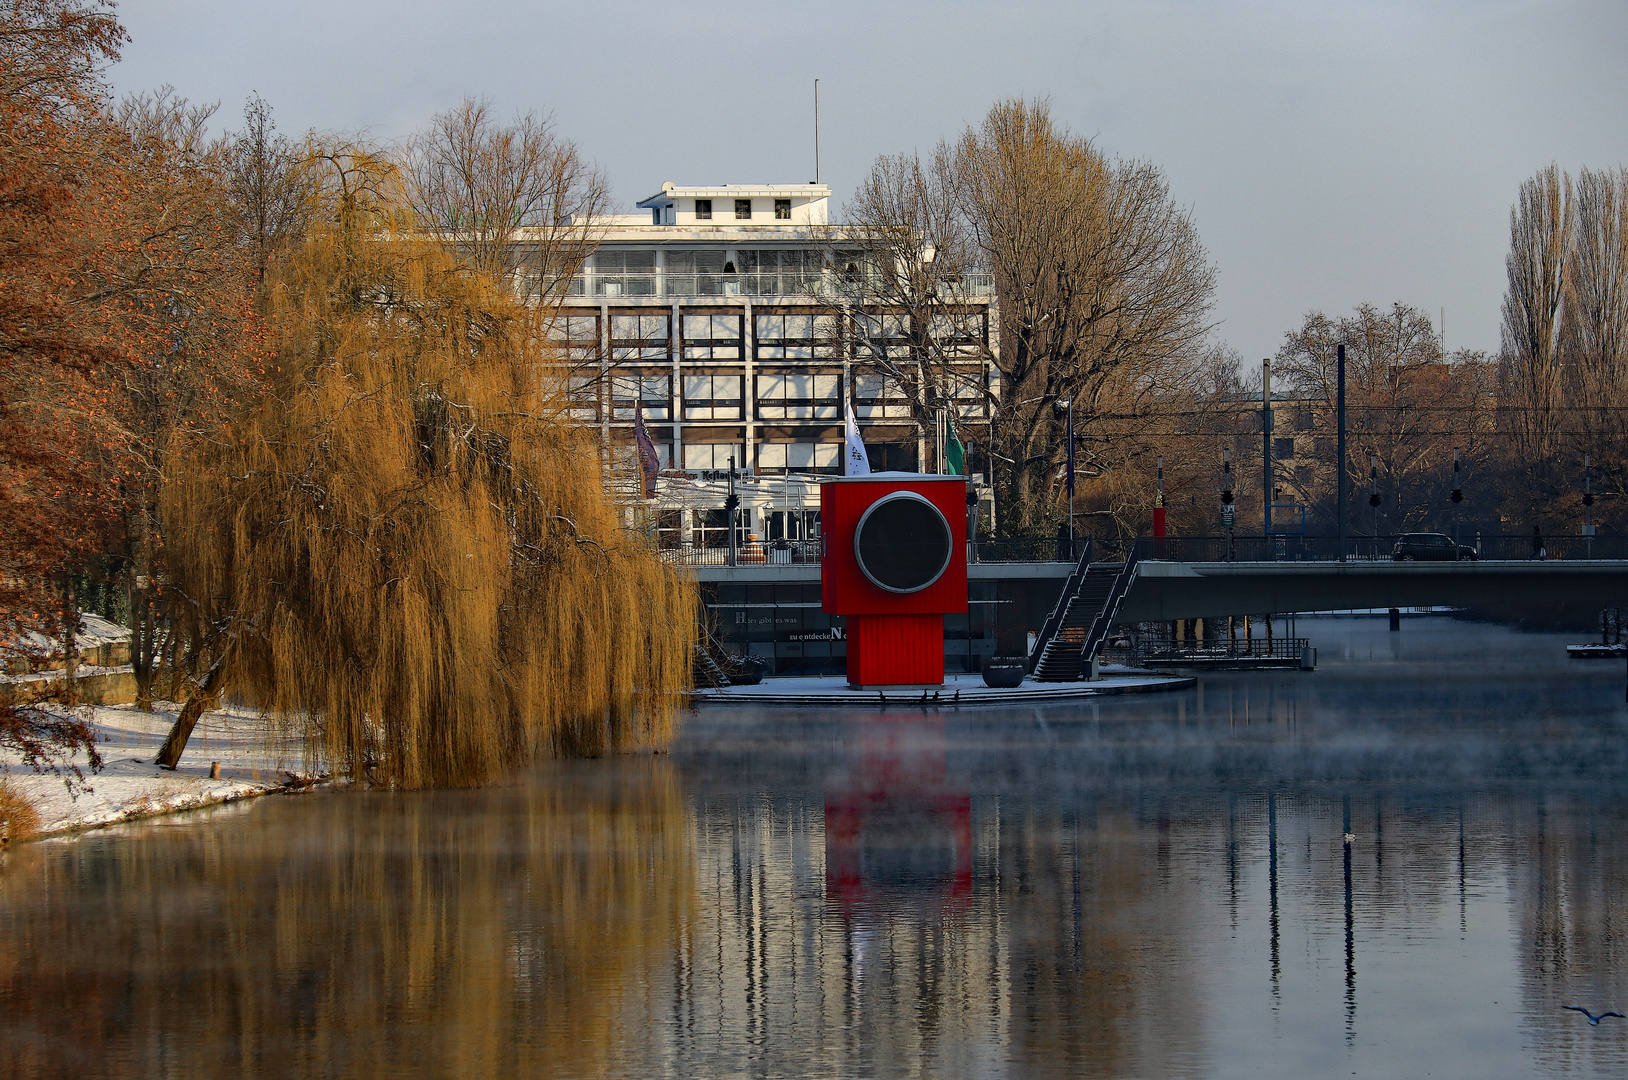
[894, 565]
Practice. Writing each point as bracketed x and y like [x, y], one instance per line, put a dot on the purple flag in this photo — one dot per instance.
[649, 460]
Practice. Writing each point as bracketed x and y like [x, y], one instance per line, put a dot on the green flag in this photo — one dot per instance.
[954, 456]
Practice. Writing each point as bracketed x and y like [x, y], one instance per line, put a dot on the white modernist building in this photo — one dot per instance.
[717, 309]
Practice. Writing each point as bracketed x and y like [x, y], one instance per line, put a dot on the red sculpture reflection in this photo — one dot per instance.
[898, 828]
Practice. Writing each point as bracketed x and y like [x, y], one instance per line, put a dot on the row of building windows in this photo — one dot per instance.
[824, 457]
[645, 327]
[743, 209]
[785, 395]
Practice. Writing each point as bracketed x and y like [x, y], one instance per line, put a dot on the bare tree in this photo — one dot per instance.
[1540, 241]
[271, 186]
[1594, 331]
[1103, 288]
[905, 261]
[1409, 405]
[517, 201]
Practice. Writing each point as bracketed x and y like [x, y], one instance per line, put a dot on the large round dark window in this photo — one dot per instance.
[903, 543]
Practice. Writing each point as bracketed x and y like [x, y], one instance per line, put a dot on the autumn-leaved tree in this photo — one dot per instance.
[183, 287]
[399, 551]
[59, 195]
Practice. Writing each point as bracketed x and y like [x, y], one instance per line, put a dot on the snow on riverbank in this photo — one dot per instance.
[131, 786]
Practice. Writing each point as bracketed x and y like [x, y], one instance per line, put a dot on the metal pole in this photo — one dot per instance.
[1266, 449]
[816, 131]
[1457, 497]
[731, 505]
[1373, 495]
[1588, 511]
[1339, 449]
[1069, 404]
[1158, 514]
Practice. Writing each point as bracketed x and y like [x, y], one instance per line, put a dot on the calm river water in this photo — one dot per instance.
[1403, 864]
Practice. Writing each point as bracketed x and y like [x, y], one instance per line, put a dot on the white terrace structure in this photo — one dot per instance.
[717, 308]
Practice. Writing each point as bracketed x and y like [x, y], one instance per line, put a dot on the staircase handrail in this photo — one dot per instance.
[1110, 609]
[1054, 621]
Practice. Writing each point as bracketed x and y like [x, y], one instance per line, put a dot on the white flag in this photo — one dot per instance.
[856, 462]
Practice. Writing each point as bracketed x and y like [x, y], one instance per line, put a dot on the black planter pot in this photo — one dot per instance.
[1005, 672]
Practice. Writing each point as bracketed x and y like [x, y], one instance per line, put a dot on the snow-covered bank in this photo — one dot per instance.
[131, 786]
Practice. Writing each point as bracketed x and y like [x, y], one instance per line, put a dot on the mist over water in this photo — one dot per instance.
[1156, 885]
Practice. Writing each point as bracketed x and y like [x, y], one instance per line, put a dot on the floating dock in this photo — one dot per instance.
[1596, 651]
[969, 690]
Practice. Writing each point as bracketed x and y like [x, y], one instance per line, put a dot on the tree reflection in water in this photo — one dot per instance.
[377, 935]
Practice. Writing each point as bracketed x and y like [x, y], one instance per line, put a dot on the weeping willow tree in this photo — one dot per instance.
[405, 552]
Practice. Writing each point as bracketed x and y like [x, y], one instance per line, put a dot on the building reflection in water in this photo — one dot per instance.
[925, 931]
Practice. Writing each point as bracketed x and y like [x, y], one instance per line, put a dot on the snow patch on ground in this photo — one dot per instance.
[94, 631]
[131, 786]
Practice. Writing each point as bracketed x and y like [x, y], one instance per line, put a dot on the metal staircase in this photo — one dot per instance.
[1079, 625]
[704, 670]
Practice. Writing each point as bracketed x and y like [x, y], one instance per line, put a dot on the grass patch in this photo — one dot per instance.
[18, 818]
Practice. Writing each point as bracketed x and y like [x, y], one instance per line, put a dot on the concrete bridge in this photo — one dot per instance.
[1162, 591]
[1069, 608]
[1165, 590]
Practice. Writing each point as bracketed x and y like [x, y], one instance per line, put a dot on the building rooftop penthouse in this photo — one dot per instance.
[739, 205]
[747, 240]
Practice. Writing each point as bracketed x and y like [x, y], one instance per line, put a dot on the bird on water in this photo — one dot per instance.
[1594, 1021]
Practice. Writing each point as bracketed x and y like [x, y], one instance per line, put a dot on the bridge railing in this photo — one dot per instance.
[1296, 548]
[1292, 548]
[1137, 650]
[1012, 549]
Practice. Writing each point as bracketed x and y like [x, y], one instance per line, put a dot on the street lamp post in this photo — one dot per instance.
[1229, 512]
[1339, 450]
[1266, 450]
[731, 507]
[1373, 494]
[1457, 497]
[1158, 510]
[1588, 510]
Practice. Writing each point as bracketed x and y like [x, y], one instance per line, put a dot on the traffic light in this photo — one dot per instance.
[1588, 498]
[1457, 496]
[1226, 498]
[1374, 499]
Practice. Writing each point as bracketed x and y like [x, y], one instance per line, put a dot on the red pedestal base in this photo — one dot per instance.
[895, 650]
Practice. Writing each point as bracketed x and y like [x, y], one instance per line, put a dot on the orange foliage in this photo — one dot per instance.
[126, 305]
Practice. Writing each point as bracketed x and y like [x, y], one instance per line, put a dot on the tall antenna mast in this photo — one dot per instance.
[816, 131]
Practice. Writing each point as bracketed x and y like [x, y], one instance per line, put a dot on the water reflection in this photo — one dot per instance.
[440, 934]
[1402, 864]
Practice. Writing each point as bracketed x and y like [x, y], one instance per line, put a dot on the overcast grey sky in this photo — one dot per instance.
[1331, 154]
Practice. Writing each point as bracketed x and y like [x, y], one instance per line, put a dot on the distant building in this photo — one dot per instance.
[719, 310]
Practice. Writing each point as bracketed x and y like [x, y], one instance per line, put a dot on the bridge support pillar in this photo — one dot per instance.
[1396, 618]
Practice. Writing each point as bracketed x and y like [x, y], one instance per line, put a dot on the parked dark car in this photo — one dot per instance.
[1425, 547]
